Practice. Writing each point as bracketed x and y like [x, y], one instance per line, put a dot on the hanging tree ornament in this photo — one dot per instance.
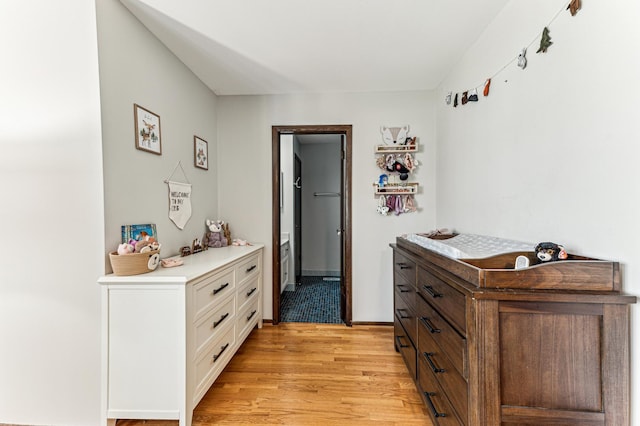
[545, 41]
[574, 6]
[522, 58]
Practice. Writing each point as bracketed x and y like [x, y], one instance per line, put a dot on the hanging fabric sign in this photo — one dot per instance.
[179, 203]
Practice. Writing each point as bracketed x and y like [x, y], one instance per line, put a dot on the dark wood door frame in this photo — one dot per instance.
[297, 219]
[276, 131]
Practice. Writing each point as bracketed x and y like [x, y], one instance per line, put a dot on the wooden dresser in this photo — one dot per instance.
[490, 345]
[167, 335]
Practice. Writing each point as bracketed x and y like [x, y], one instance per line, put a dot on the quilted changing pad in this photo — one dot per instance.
[469, 246]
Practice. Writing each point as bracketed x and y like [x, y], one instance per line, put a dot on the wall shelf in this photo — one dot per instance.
[396, 189]
[389, 149]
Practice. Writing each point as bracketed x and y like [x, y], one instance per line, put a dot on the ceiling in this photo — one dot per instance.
[254, 47]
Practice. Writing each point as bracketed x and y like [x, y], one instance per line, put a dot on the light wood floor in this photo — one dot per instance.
[312, 374]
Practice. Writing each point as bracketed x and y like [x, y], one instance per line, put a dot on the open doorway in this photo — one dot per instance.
[340, 200]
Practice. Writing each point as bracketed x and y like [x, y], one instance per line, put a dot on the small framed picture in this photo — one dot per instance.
[147, 130]
[200, 153]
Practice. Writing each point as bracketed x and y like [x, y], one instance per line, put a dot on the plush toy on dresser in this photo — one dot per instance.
[550, 252]
[215, 237]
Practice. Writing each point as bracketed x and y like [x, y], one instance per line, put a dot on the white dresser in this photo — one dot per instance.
[168, 334]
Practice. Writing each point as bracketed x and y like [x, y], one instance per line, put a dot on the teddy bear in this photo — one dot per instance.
[550, 252]
[214, 237]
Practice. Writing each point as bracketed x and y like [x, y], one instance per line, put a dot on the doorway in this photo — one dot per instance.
[343, 231]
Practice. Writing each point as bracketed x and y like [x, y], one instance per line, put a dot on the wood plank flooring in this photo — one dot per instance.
[312, 374]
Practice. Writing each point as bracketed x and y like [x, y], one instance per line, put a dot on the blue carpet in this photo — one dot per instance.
[314, 300]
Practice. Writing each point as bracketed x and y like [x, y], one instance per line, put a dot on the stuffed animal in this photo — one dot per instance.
[214, 237]
[227, 233]
[382, 206]
[146, 245]
[125, 248]
[550, 252]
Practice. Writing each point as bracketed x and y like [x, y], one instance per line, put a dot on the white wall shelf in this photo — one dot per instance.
[399, 189]
[390, 149]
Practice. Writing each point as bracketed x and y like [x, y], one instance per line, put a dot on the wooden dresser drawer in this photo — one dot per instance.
[405, 290]
[439, 364]
[211, 324]
[248, 268]
[406, 348]
[447, 300]
[438, 404]
[212, 289]
[405, 267]
[406, 315]
[453, 345]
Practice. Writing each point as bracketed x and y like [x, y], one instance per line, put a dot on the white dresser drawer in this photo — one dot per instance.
[248, 318]
[213, 360]
[248, 268]
[212, 324]
[248, 291]
[211, 290]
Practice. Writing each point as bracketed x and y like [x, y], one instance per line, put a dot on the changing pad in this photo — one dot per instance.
[469, 246]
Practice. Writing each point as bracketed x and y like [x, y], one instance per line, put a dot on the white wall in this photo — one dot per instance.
[287, 200]
[52, 213]
[321, 165]
[551, 154]
[136, 68]
[244, 137]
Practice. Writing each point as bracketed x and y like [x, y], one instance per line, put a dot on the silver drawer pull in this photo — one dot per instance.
[219, 289]
[222, 349]
[222, 318]
[251, 314]
[251, 268]
[250, 292]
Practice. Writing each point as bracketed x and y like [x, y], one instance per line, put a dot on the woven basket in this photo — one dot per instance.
[134, 263]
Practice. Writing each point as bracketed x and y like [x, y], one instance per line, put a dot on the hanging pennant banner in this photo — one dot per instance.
[179, 203]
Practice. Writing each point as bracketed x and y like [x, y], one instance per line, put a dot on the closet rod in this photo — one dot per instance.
[326, 194]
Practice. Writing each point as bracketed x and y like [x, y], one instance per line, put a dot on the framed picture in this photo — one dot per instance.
[147, 130]
[138, 232]
[200, 153]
